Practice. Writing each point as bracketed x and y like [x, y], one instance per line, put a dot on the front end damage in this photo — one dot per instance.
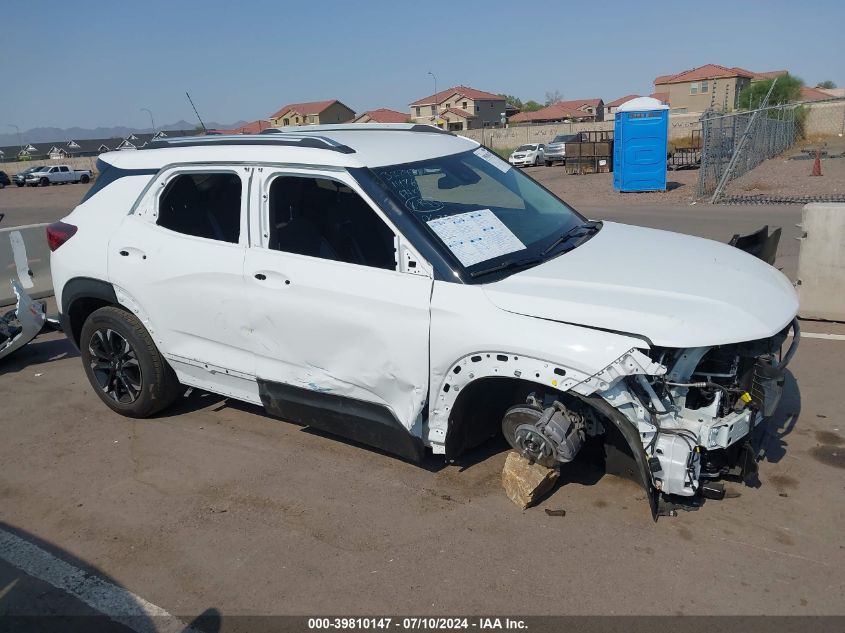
[19, 326]
[687, 416]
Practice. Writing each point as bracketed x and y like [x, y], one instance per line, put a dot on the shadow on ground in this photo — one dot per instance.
[34, 576]
[36, 352]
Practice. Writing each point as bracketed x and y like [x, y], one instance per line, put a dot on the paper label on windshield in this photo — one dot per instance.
[491, 158]
[476, 236]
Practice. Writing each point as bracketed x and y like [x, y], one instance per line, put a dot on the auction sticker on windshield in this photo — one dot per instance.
[491, 158]
[475, 236]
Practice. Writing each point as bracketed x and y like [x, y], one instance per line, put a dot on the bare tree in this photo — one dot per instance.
[553, 97]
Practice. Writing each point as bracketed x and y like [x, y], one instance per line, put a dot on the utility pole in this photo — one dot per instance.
[20, 143]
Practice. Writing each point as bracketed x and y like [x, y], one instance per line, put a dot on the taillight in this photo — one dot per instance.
[58, 233]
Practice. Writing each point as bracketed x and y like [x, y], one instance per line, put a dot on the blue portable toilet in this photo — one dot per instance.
[641, 136]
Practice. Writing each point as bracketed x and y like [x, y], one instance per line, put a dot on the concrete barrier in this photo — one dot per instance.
[25, 257]
[821, 262]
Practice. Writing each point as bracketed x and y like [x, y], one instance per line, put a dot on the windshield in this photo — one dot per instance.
[526, 148]
[483, 211]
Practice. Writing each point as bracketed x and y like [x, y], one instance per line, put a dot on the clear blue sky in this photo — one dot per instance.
[98, 63]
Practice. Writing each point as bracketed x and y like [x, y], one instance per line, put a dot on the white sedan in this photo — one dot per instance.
[526, 155]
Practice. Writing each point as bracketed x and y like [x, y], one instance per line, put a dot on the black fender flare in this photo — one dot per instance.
[634, 443]
[79, 288]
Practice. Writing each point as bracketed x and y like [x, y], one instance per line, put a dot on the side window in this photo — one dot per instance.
[324, 218]
[204, 205]
[63, 169]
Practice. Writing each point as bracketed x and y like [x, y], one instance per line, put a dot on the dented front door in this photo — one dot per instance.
[336, 332]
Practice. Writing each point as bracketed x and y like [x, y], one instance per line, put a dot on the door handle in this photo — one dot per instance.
[260, 276]
[136, 253]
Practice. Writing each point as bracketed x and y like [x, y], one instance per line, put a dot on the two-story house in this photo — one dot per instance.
[459, 108]
[312, 113]
[709, 86]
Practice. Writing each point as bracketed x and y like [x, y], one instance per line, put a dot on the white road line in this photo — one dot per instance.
[117, 603]
[829, 337]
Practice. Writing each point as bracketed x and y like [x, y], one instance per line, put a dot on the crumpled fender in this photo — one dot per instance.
[30, 314]
[632, 438]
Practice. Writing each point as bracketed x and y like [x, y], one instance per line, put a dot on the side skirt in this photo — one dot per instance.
[357, 420]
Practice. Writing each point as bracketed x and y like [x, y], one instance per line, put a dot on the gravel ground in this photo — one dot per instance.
[597, 189]
[785, 176]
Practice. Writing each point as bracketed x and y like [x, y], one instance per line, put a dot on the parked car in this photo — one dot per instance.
[4, 179]
[525, 155]
[556, 150]
[20, 177]
[57, 175]
[406, 288]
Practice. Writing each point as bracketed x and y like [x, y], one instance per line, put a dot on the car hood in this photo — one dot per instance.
[675, 290]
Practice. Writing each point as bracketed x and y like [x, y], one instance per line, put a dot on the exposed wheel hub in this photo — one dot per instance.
[547, 436]
[533, 445]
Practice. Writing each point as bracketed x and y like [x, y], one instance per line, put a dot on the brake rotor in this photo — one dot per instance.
[520, 431]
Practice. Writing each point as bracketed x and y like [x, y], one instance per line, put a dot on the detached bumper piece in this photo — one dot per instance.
[19, 326]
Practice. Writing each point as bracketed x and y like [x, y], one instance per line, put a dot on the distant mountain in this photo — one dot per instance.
[51, 134]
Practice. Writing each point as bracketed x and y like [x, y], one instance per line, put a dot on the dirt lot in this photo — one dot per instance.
[34, 205]
[213, 505]
[791, 176]
[597, 189]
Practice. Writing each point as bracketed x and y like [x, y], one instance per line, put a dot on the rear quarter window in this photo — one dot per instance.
[108, 173]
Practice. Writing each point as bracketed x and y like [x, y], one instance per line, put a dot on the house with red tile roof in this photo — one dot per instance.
[312, 113]
[381, 115]
[255, 127]
[611, 107]
[571, 110]
[815, 94]
[705, 87]
[459, 108]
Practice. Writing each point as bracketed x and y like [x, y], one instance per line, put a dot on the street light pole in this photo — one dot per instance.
[20, 143]
[152, 121]
[434, 107]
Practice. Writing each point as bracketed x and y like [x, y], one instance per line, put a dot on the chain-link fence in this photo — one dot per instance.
[734, 147]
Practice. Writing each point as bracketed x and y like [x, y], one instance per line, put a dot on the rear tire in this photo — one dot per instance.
[548, 163]
[84, 180]
[124, 366]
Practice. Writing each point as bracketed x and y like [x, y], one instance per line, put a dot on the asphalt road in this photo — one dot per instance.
[214, 506]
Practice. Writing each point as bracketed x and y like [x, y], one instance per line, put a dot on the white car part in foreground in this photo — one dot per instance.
[19, 326]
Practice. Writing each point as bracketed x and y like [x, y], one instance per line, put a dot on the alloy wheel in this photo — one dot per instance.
[115, 366]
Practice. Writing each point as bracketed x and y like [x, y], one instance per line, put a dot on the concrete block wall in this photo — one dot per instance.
[25, 257]
[679, 126]
[821, 262]
[826, 118]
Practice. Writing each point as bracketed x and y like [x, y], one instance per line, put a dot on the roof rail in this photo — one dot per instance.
[357, 127]
[290, 140]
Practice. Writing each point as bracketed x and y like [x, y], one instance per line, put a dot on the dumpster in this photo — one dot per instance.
[641, 135]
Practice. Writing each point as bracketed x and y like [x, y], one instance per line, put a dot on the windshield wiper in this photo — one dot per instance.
[582, 230]
[509, 264]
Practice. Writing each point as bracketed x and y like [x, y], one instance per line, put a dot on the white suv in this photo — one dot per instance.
[409, 289]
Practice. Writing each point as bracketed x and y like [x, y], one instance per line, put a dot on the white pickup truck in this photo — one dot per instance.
[57, 174]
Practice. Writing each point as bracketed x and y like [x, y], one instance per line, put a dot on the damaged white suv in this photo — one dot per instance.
[408, 289]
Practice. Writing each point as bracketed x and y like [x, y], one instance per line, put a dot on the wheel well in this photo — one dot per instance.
[79, 312]
[478, 411]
